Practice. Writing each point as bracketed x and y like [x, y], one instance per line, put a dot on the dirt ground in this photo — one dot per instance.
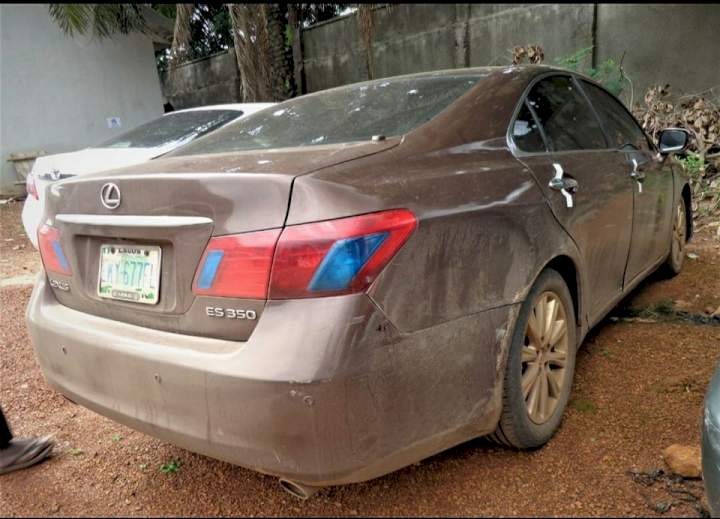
[638, 388]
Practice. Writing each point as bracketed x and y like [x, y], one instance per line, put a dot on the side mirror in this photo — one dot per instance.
[673, 140]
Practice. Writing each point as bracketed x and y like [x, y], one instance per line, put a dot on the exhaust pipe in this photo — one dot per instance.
[298, 489]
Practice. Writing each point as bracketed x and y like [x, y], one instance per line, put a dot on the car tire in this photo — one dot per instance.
[678, 240]
[530, 417]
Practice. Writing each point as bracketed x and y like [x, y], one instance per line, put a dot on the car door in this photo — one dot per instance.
[652, 180]
[585, 183]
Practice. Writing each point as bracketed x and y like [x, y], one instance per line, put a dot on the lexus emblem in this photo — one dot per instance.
[110, 195]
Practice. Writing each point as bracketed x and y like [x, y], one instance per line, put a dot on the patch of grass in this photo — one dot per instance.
[117, 437]
[76, 452]
[170, 467]
[583, 406]
[606, 354]
[662, 308]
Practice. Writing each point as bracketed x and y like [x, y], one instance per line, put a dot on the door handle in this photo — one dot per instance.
[567, 186]
[564, 184]
[637, 175]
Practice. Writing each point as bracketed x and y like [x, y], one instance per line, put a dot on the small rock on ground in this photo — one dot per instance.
[683, 460]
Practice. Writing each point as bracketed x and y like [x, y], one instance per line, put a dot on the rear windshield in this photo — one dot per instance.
[172, 128]
[346, 114]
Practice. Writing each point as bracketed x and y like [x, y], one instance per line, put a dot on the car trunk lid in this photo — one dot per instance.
[178, 204]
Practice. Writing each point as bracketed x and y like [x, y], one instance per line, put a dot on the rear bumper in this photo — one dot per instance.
[31, 214]
[324, 392]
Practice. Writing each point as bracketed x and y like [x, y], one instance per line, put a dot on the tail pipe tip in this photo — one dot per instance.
[298, 489]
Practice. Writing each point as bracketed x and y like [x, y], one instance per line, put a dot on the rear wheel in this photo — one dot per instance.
[678, 240]
[540, 367]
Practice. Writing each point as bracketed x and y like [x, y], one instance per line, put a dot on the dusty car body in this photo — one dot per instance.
[711, 444]
[346, 385]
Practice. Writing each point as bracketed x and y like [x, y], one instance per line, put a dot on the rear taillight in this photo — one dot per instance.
[30, 186]
[237, 265]
[51, 251]
[337, 256]
[333, 257]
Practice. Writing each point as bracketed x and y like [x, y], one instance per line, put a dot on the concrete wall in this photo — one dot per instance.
[56, 92]
[675, 43]
[663, 43]
[211, 80]
[419, 37]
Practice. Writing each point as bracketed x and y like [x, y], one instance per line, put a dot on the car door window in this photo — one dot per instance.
[565, 115]
[526, 132]
[621, 128]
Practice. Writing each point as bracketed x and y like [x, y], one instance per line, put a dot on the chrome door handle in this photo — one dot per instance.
[567, 186]
[637, 175]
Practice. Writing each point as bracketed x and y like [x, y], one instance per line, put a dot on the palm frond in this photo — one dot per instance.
[72, 18]
[100, 20]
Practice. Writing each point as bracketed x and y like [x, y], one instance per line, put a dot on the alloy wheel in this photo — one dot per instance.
[544, 357]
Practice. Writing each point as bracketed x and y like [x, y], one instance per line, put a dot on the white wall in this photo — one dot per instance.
[56, 91]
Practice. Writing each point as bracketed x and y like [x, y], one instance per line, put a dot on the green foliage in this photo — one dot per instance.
[289, 36]
[170, 467]
[693, 163]
[609, 73]
[117, 437]
[99, 20]
[583, 406]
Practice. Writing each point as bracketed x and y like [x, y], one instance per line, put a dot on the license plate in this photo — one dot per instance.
[130, 273]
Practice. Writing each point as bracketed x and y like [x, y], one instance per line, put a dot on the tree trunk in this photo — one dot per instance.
[298, 67]
[258, 36]
[279, 68]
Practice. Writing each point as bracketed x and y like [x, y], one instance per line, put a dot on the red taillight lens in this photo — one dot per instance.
[51, 251]
[237, 265]
[30, 186]
[337, 256]
[333, 257]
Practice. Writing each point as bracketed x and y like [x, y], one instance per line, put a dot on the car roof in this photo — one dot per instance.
[241, 107]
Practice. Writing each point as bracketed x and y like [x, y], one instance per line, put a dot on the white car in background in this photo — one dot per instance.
[145, 142]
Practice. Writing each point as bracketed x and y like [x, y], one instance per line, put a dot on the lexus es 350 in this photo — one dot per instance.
[358, 278]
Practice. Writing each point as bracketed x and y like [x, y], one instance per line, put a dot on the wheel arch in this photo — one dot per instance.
[687, 196]
[567, 268]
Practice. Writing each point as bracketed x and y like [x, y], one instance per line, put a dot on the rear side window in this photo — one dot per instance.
[565, 115]
[345, 114]
[526, 132]
[174, 128]
[620, 125]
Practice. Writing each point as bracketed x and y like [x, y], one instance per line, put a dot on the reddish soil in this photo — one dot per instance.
[17, 255]
[638, 388]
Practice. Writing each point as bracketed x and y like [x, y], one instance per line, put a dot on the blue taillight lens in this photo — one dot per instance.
[343, 261]
[210, 268]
